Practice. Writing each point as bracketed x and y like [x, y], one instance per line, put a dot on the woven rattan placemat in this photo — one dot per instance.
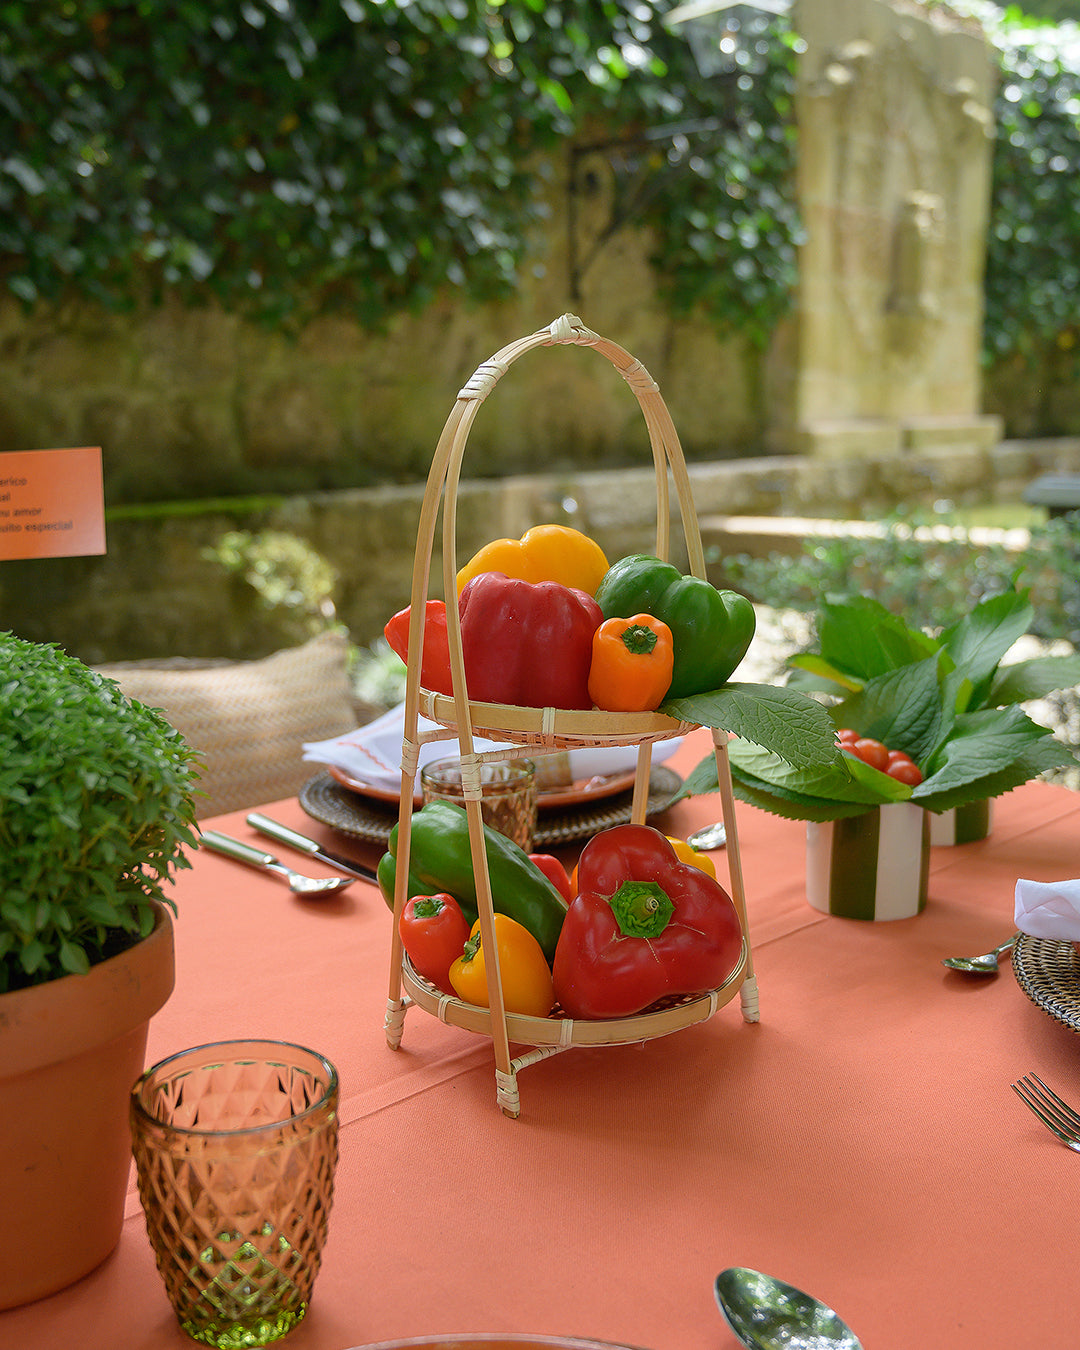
[1048, 971]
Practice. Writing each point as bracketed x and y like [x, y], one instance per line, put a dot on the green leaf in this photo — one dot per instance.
[907, 709]
[985, 744]
[814, 664]
[1025, 680]
[865, 639]
[795, 728]
[1037, 758]
[978, 641]
[848, 781]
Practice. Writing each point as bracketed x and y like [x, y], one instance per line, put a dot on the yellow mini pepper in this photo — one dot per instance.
[527, 985]
[686, 853]
[544, 553]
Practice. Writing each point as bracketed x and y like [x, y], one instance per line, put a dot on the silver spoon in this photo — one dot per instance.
[767, 1314]
[255, 857]
[980, 965]
[712, 836]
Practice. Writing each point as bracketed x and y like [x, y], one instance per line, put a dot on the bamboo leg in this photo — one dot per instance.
[748, 994]
[639, 805]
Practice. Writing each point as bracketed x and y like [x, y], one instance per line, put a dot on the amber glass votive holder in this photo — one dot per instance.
[235, 1147]
[507, 794]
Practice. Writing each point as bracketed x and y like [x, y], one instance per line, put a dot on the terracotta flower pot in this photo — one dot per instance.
[69, 1052]
[870, 866]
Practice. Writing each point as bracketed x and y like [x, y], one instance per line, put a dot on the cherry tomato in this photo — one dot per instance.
[434, 933]
[870, 752]
[846, 736]
[905, 771]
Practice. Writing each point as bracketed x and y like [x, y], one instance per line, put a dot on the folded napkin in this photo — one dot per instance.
[372, 753]
[1049, 909]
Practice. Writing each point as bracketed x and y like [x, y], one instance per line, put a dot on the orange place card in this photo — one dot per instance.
[52, 503]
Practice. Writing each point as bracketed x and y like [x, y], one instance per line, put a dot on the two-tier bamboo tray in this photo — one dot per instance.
[543, 731]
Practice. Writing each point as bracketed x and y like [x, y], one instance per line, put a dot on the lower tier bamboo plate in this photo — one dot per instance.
[564, 1031]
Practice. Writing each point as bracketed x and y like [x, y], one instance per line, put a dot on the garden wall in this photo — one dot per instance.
[155, 592]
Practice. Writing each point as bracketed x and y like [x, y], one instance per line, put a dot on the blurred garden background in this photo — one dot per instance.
[254, 251]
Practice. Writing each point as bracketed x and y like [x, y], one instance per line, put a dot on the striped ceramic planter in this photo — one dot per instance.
[962, 825]
[870, 866]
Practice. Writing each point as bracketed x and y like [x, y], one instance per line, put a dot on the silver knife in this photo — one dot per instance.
[284, 835]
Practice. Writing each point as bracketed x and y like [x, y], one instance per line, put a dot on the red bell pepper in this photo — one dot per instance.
[435, 661]
[555, 872]
[643, 927]
[527, 643]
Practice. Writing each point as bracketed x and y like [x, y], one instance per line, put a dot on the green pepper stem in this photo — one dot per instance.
[428, 907]
[638, 640]
[641, 909]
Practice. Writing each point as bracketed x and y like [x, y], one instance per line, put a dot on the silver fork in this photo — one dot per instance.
[1057, 1115]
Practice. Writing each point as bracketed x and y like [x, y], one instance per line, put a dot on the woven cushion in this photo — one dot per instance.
[248, 719]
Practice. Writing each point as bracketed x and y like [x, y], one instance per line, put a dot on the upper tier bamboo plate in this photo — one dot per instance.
[563, 728]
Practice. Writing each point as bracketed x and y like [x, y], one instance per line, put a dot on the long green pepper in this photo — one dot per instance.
[440, 859]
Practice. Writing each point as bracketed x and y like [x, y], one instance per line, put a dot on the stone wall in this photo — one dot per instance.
[156, 594]
[894, 111]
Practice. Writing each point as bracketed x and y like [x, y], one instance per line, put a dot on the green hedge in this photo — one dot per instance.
[361, 156]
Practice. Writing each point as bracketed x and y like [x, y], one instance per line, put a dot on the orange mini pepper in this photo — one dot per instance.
[632, 661]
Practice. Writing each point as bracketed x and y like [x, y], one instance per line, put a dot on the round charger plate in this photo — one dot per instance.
[328, 802]
[1048, 971]
[496, 1341]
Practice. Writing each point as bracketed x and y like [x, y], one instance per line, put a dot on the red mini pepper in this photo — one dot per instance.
[435, 661]
[643, 927]
[527, 643]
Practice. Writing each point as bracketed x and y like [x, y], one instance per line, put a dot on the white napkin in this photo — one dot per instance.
[372, 753]
[1049, 909]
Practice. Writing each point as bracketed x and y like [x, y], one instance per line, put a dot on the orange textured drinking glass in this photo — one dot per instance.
[235, 1147]
[507, 794]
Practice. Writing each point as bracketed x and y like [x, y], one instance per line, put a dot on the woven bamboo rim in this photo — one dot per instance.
[566, 1031]
[544, 729]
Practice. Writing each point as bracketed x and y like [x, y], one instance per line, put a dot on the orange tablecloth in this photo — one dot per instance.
[861, 1141]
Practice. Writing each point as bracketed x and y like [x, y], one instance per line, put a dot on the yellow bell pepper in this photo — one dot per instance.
[527, 985]
[688, 854]
[544, 553]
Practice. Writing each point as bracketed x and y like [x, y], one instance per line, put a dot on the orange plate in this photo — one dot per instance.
[573, 794]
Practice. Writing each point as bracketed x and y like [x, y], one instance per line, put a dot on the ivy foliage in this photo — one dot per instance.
[1033, 252]
[362, 155]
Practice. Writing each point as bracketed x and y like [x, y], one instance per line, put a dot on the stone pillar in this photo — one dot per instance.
[894, 109]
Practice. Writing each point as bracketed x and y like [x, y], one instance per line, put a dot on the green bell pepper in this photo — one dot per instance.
[711, 629]
[440, 859]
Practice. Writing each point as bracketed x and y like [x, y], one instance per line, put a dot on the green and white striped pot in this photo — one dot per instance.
[963, 824]
[870, 866]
